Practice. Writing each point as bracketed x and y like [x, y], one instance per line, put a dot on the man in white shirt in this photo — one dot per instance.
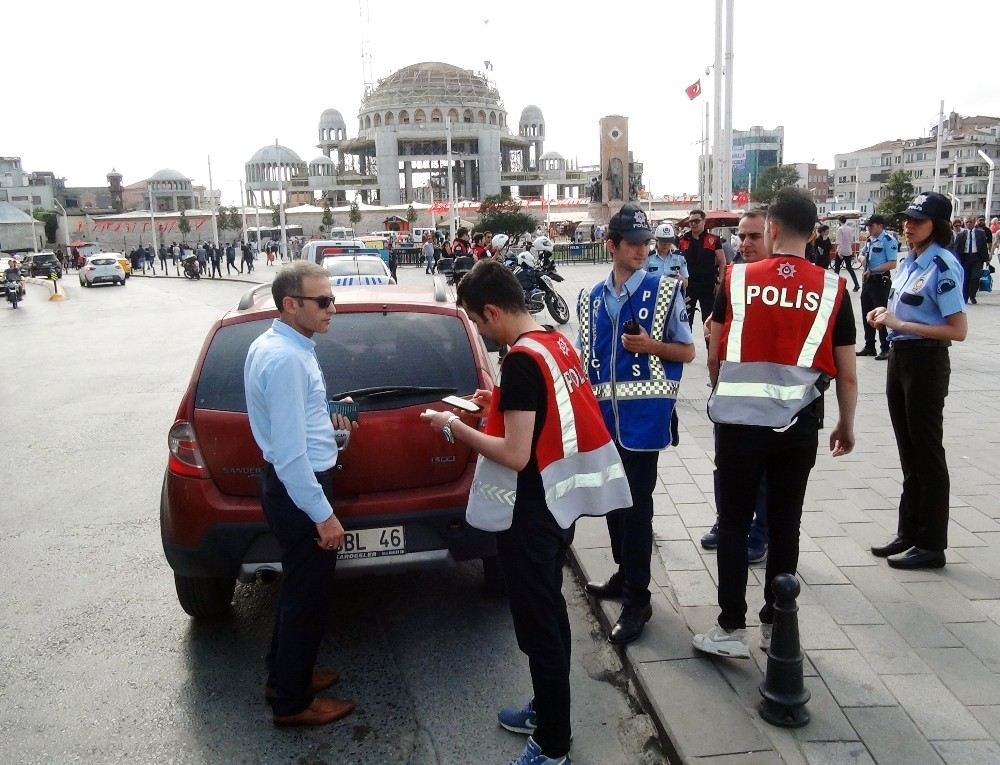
[845, 249]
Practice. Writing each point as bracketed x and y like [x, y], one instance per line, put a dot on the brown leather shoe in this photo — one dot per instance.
[321, 712]
[321, 680]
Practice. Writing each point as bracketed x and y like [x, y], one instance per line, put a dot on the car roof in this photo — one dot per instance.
[436, 295]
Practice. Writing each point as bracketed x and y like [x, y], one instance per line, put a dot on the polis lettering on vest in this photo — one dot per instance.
[772, 296]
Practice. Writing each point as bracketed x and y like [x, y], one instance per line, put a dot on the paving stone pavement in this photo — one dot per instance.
[903, 667]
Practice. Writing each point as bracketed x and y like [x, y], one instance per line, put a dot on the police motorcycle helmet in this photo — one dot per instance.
[542, 244]
[527, 259]
[500, 242]
[665, 231]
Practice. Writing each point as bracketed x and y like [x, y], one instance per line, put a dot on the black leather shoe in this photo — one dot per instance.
[917, 558]
[895, 547]
[612, 588]
[866, 352]
[630, 623]
[882, 356]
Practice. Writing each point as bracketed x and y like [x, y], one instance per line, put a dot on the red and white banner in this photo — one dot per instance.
[693, 90]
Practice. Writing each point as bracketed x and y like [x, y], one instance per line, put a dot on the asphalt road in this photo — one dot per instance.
[99, 663]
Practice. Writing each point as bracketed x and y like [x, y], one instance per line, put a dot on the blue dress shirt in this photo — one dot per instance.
[287, 405]
[672, 264]
[880, 250]
[676, 329]
[926, 289]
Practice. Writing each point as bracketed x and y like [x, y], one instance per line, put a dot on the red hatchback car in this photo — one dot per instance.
[401, 489]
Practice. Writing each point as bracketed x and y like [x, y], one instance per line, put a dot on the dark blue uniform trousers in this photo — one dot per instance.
[631, 528]
[304, 604]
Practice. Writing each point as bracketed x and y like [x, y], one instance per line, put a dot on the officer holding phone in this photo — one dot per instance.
[634, 340]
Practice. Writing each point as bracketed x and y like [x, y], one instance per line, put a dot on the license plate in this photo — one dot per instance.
[373, 543]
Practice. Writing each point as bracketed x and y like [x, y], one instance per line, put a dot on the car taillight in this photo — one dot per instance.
[185, 455]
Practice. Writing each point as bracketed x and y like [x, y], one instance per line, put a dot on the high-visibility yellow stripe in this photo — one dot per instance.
[831, 283]
[738, 301]
[763, 390]
[567, 421]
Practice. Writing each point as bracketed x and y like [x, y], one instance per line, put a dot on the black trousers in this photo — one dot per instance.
[304, 603]
[532, 552]
[973, 268]
[848, 263]
[702, 296]
[744, 455]
[631, 528]
[875, 294]
[915, 387]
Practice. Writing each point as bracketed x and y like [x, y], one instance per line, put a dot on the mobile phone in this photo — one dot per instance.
[347, 408]
[631, 327]
[461, 403]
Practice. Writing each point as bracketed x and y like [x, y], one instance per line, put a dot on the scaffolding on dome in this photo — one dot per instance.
[426, 83]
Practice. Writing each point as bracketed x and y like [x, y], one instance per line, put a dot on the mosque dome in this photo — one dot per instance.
[166, 174]
[430, 82]
[331, 118]
[276, 155]
[531, 114]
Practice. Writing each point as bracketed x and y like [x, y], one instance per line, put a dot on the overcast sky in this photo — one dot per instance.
[141, 86]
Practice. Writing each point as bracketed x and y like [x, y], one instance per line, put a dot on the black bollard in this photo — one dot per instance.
[784, 692]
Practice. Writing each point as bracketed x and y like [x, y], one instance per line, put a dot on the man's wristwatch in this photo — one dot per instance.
[446, 430]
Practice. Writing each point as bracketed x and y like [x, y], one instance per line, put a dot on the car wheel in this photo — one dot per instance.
[81, 282]
[493, 581]
[204, 598]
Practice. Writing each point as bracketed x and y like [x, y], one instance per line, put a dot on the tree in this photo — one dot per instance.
[275, 215]
[897, 191]
[184, 226]
[50, 221]
[411, 214]
[771, 180]
[503, 215]
[354, 216]
[327, 215]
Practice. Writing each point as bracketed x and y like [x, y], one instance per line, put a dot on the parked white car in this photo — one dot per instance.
[346, 270]
[102, 268]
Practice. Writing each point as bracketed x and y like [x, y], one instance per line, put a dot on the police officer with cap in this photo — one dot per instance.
[879, 258]
[924, 315]
[666, 258]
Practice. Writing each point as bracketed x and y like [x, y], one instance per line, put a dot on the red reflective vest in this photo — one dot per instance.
[777, 340]
[581, 471]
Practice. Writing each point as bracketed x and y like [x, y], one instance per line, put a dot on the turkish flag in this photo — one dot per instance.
[694, 90]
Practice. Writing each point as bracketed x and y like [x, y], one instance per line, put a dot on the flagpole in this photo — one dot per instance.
[211, 194]
[717, 111]
[243, 212]
[152, 220]
[451, 185]
[281, 209]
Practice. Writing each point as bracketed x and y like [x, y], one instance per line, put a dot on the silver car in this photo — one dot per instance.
[102, 268]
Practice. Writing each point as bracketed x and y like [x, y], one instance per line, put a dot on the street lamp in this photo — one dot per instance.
[65, 223]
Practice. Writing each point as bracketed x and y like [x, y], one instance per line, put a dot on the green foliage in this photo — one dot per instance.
[771, 180]
[275, 215]
[502, 215]
[355, 213]
[51, 221]
[897, 193]
[411, 214]
[327, 215]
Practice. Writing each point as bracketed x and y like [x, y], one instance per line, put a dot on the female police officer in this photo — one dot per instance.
[925, 313]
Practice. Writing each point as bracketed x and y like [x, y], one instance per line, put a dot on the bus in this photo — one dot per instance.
[272, 232]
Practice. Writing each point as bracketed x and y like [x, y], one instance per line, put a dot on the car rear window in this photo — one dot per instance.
[361, 350]
[103, 261]
[349, 267]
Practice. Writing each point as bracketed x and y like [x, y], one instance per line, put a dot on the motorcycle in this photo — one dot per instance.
[14, 291]
[538, 281]
[190, 264]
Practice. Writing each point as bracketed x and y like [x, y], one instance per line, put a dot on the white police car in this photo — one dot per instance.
[349, 270]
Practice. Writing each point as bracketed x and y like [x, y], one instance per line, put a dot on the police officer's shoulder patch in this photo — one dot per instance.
[945, 285]
[940, 262]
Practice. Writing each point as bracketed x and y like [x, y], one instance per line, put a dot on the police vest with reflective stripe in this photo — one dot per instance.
[581, 471]
[777, 340]
[636, 391]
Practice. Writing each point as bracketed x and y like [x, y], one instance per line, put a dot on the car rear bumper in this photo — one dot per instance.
[436, 539]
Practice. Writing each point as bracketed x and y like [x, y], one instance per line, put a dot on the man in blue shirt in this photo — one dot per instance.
[879, 259]
[288, 411]
[634, 339]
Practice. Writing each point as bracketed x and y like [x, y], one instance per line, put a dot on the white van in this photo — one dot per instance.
[419, 234]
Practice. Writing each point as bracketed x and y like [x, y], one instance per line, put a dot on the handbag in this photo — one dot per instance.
[986, 281]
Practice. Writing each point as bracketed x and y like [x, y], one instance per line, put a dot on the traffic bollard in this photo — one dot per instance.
[784, 692]
[56, 294]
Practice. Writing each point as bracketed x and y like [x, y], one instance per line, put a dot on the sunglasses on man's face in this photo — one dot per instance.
[322, 301]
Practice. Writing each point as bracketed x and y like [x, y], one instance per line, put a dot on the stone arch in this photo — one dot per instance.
[368, 122]
[453, 115]
[404, 117]
[419, 117]
[481, 116]
[390, 118]
[378, 120]
[467, 115]
[493, 118]
[436, 115]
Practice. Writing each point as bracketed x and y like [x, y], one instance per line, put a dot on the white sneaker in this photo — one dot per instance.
[765, 637]
[732, 644]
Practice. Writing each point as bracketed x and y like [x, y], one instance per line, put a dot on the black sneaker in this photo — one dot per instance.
[710, 541]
